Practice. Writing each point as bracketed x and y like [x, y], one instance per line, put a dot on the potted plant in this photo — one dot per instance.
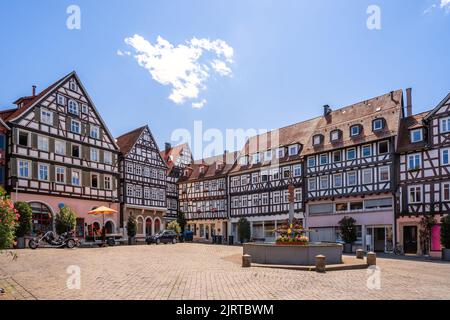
[347, 228]
[24, 224]
[445, 237]
[65, 220]
[131, 229]
[244, 230]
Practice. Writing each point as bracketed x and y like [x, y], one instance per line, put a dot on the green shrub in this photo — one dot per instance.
[131, 226]
[244, 230]
[445, 232]
[65, 220]
[173, 225]
[181, 219]
[8, 220]
[24, 225]
[347, 229]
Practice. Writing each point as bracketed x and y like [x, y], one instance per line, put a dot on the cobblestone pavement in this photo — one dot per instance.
[201, 271]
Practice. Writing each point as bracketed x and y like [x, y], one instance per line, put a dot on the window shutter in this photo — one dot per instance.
[86, 179]
[37, 114]
[68, 149]
[69, 175]
[52, 173]
[56, 120]
[85, 153]
[13, 167]
[34, 142]
[100, 133]
[51, 145]
[34, 166]
[68, 122]
[101, 177]
[101, 156]
[15, 135]
[84, 129]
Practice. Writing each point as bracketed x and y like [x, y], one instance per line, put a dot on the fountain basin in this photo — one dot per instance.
[305, 255]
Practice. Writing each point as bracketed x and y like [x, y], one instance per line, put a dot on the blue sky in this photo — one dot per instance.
[289, 57]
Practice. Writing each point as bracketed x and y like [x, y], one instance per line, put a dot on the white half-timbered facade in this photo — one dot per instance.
[62, 154]
[143, 181]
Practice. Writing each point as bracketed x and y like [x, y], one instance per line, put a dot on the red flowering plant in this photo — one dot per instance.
[9, 217]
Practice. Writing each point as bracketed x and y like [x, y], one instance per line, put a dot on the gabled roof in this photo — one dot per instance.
[170, 156]
[404, 137]
[127, 140]
[29, 102]
[440, 105]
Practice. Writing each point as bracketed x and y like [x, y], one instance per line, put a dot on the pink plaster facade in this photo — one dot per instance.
[362, 218]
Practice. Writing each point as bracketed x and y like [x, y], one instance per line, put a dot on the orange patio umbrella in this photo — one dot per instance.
[102, 210]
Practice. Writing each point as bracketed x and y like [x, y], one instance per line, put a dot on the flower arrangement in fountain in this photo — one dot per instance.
[291, 234]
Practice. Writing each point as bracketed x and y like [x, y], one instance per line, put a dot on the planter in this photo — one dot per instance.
[446, 254]
[348, 248]
[21, 243]
[132, 241]
[291, 243]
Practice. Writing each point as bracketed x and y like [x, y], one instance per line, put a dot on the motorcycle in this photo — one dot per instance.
[49, 240]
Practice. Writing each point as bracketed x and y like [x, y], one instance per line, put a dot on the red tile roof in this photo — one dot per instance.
[127, 140]
[404, 137]
[170, 156]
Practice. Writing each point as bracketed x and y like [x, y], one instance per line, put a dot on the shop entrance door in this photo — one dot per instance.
[410, 239]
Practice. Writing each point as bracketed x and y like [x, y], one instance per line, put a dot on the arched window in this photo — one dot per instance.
[148, 227]
[140, 225]
[109, 226]
[42, 218]
[157, 225]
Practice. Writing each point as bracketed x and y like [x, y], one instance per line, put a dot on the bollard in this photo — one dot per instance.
[359, 254]
[371, 259]
[320, 263]
[246, 261]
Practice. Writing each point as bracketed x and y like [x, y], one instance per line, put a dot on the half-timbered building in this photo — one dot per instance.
[259, 181]
[60, 153]
[204, 198]
[176, 158]
[350, 168]
[142, 181]
[4, 129]
[424, 171]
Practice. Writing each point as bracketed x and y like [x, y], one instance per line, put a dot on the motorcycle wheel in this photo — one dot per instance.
[32, 244]
[174, 241]
[70, 243]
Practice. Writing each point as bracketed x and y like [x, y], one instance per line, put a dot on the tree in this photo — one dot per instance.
[347, 229]
[24, 225]
[426, 225]
[445, 232]
[8, 220]
[131, 226]
[173, 225]
[65, 220]
[244, 230]
[181, 219]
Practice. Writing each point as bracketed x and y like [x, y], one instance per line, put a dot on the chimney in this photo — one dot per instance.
[408, 102]
[167, 146]
[225, 153]
[326, 110]
[34, 91]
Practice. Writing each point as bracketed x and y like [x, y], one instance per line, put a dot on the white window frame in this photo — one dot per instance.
[58, 145]
[46, 116]
[358, 130]
[317, 140]
[110, 182]
[94, 154]
[28, 168]
[388, 170]
[364, 171]
[336, 185]
[350, 174]
[73, 107]
[325, 156]
[416, 159]
[415, 188]
[98, 180]
[412, 132]
[43, 143]
[311, 161]
[312, 184]
[334, 135]
[444, 125]
[375, 126]
[268, 155]
[293, 150]
[74, 173]
[324, 182]
[442, 156]
[72, 127]
[297, 170]
[443, 186]
[94, 132]
[61, 100]
[57, 168]
[47, 167]
[366, 147]
[280, 153]
[107, 157]
[347, 153]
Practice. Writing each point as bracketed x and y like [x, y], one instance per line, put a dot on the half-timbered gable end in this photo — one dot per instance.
[60, 145]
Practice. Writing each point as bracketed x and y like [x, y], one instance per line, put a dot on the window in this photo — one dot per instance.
[94, 155]
[351, 154]
[351, 178]
[367, 150]
[324, 182]
[276, 197]
[416, 135]
[138, 170]
[24, 168]
[107, 180]
[280, 153]
[255, 158]
[355, 206]
[445, 125]
[383, 174]
[138, 192]
[265, 198]
[341, 206]
[60, 147]
[264, 176]
[76, 178]
[337, 180]
[311, 161]
[94, 180]
[335, 135]
[75, 151]
[129, 168]
[107, 158]
[355, 130]
[46, 116]
[23, 138]
[321, 208]
[445, 156]
[75, 126]
[367, 176]
[61, 100]
[255, 177]
[383, 147]
[317, 139]
[147, 194]
[297, 170]
[243, 161]
[95, 132]
[43, 172]
[72, 107]
[446, 191]
[73, 86]
[337, 156]
[60, 174]
[298, 195]
[275, 174]
[286, 172]
[255, 200]
[42, 143]
[130, 191]
[414, 161]
[312, 184]
[378, 203]
[268, 155]
[293, 150]
[415, 194]
[377, 124]
[323, 159]
[84, 108]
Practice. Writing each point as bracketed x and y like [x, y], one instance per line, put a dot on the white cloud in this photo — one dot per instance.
[427, 11]
[183, 67]
[445, 4]
[123, 53]
[199, 105]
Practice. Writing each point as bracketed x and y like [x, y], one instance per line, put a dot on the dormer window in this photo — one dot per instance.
[280, 153]
[219, 166]
[416, 135]
[186, 172]
[378, 124]
[317, 139]
[255, 158]
[355, 130]
[243, 161]
[72, 107]
[293, 150]
[335, 135]
[268, 155]
[202, 170]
